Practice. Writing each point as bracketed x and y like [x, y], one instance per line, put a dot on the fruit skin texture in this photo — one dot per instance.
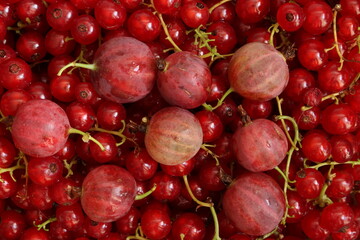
[40, 128]
[108, 193]
[260, 146]
[186, 80]
[174, 135]
[257, 71]
[255, 204]
[125, 70]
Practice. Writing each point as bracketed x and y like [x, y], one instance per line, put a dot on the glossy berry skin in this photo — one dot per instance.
[85, 29]
[104, 197]
[257, 71]
[335, 216]
[45, 132]
[110, 115]
[318, 17]
[65, 192]
[15, 73]
[257, 109]
[181, 169]
[12, 224]
[260, 134]
[63, 87]
[110, 14]
[110, 151]
[299, 80]
[31, 46]
[312, 55]
[309, 183]
[173, 130]
[190, 225]
[339, 119]
[340, 185]
[224, 36]
[332, 80]
[194, 13]
[96, 229]
[316, 147]
[60, 15]
[211, 125]
[308, 119]
[34, 233]
[185, 81]
[81, 116]
[210, 176]
[250, 199]
[12, 99]
[156, 224]
[167, 187]
[141, 165]
[8, 152]
[311, 227]
[290, 17]
[252, 11]
[131, 74]
[128, 223]
[45, 171]
[59, 42]
[167, 7]
[8, 186]
[144, 25]
[70, 217]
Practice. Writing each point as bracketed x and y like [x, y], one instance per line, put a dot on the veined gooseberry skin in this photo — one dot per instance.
[40, 128]
[258, 71]
[125, 70]
[173, 136]
[255, 203]
[260, 146]
[108, 193]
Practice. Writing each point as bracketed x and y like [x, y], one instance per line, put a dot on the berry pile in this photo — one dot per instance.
[179, 119]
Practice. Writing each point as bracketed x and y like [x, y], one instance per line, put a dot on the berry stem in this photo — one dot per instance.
[220, 101]
[166, 31]
[12, 169]
[218, 4]
[208, 151]
[146, 194]
[68, 166]
[86, 137]
[44, 224]
[279, 101]
[283, 175]
[273, 29]
[204, 204]
[76, 64]
[336, 44]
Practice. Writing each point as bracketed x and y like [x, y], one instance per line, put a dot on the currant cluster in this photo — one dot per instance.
[179, 119]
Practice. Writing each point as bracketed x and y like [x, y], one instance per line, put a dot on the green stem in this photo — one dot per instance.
[283, 175]
[115, 133]
[68, 166]
[333, 163]
[283, 123]
[204, 204]
[146, 194]
[341, 61]
[220, 101]
[86, 137]
[274, 29]
[76, 64]
[208, 151]
[166, 31]
[218, 4]
[12, 169]
[44, 224]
